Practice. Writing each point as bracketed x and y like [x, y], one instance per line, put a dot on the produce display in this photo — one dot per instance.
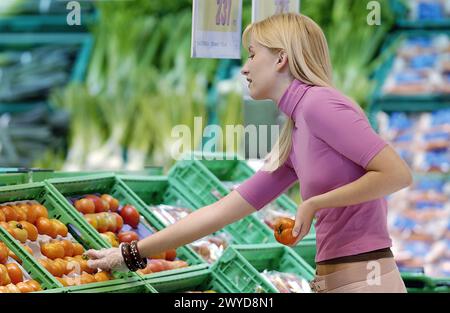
[13, 277]
[287, 282]
[210, 248]
[119, 223]
[421, 139]
[48, 240]
[419, 223]
[428, 10]
[421, 66]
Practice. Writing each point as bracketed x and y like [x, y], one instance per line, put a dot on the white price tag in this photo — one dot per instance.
[265, 8]
[216, 29]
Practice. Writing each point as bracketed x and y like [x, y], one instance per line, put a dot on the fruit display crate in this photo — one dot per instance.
[242, 266]
[29, 266]
[69, 189]
[78, 231]
[13, 179]
[420, 283]
[432, 98]
[202, 279]
[128, 285]
[203, 179]
[157, 190]
[37, 16]
[420, 14]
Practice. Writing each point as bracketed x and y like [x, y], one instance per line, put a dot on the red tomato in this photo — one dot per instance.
[98, 203]
[130, 215]
[119, 221]
[283, 230]
[127, 236]
[113, 202]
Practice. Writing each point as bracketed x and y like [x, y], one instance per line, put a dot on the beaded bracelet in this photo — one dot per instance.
[139, 261]
[127, 257]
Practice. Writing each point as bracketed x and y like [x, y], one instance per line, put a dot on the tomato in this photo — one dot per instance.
[34, 284]
[113, 202]
[41, 211]
[60, 267]
[102, 223]
[15, 257]
[28, 249]
[111, 238]
[102, 276]
[21, 212]
[171, 254]
[31, 230]
[24, 287]
[68, 247]
[127, 236]
[92, 219]
[2, 216]
[4, 276]
[10, 213]
[130, 215]
[52, 250]
[3, 289]
[46, 227]
[32, 214]
[99, 204]
[86, 278]
[283, 230]
[60, 228]
[14, 272]
[3, 254]
[13, 288]
[18, 231]
[85, 206]
[77, 249]
[119, 221]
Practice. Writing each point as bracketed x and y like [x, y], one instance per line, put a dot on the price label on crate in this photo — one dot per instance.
[216, 29]
[265, 8]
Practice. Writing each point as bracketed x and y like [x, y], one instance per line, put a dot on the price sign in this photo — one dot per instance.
[265, 8]
[216, 29]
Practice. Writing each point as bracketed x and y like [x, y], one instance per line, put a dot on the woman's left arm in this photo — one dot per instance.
[386, 173]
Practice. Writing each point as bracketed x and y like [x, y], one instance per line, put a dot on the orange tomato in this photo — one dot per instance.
[60, 228]
[10, 213]
[24, 287]
[60, 267]
[68, 247]
[3, 289]
[283, 230]
[77, 249]
[86, 278]
[13, 288]
[41, 211]
[102, 276]
[119, 221]
[20, 212]
[85, 206]
[63, 281]
[31, 230]
[17, 231]
[32, 213]
[46, 227]
[92, 219]
[4, 276]
[15, 273]
[2, 216]
[14, 256]
[3, 253]
[53, 250]
[28, 249]
[34, 284]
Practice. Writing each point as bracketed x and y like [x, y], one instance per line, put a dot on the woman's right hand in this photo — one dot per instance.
[107, 259]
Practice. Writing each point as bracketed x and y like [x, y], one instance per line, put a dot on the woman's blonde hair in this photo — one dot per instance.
[306, 47]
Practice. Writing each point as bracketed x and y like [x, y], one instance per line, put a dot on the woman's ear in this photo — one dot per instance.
[282, 59]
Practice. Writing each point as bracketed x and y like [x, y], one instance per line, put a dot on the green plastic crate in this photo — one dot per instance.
[157, 190]
[196, 180]
[13, 179]
[128, 285]
[202, 278]
[111, 184]
[241, 266]
[29, 263]
[420, 283]
[401, 10]
[306, 249]
[410, 103]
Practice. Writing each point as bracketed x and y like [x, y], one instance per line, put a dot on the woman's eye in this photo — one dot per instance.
[251, 56]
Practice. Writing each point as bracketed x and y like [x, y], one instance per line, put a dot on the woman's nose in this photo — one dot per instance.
[244, 70]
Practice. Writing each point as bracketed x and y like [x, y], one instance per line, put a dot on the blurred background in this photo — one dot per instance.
[106, 94]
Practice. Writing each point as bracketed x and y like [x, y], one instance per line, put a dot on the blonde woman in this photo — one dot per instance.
[327, 144]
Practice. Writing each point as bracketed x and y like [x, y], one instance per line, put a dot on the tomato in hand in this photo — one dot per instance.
[283, 230]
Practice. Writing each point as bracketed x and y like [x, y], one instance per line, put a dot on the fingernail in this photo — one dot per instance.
[295, 233]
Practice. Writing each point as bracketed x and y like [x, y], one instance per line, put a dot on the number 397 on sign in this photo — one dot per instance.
[221, 15]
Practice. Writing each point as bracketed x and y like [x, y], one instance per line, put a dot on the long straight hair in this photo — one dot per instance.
[309, 61]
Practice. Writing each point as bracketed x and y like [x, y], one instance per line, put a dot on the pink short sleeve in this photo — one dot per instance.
[263, 186]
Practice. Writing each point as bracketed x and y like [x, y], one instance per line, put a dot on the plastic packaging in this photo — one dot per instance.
[287, 282]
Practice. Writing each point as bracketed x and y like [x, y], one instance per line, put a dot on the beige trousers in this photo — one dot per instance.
[380, 276]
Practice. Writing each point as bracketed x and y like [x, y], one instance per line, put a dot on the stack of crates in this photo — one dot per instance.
[410, 109]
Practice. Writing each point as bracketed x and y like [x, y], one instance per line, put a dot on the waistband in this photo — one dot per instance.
[367, 256]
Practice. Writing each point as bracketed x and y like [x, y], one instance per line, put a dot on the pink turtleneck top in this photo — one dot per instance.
[332, 143]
